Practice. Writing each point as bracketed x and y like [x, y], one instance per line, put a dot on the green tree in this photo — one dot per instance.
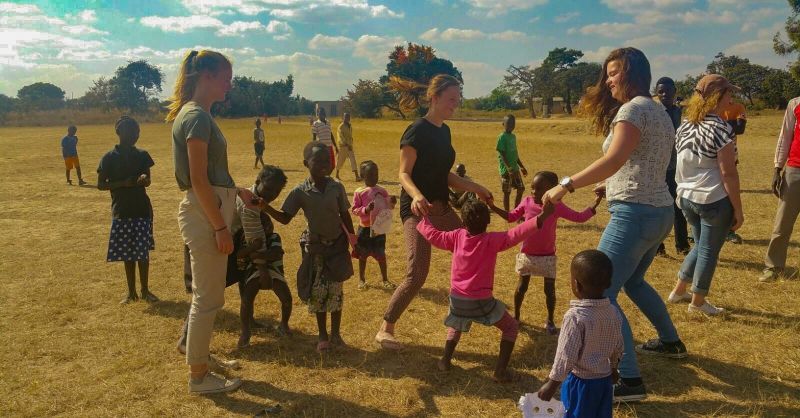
[739, 71]
[520, 81]
[41, 96]
[419, 63]
[135, 83]
[6, 106]
[791, 46]
[365, 99]
[100, 95]
[575, 80]
[779, 86]
[685, 88]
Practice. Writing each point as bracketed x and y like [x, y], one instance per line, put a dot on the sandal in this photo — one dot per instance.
[387, 341]
[362, 285]
[389, 285]
[323, 347]
[551, 329]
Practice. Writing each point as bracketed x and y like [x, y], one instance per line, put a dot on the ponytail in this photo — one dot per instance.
[413, 95]
[193, 64]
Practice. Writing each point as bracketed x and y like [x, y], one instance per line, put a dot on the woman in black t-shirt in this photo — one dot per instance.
[426, 157]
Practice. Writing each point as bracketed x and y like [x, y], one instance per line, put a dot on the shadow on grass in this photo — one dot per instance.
[755, 266]
[292, 403]
[437, 295]
[736, 384]
[765, 242]
[389, 183]
[761, 319]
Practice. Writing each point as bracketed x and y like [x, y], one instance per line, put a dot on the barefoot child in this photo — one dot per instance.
[363, 207]
[326, 260]
[510, 164]
[69, 150]
[258, 144]
[125, 171]
[265, 271]
[472, 278]
[590, 344]
[538, 254]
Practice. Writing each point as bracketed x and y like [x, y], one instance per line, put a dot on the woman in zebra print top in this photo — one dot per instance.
[708, 188]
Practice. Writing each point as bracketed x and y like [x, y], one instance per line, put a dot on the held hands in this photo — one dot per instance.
[371, 206]
[777, 183]
[547, 390]
[420, 206]
[554, 195]
[600, 190]
[251, 201]
[484, 194]
[224, 241]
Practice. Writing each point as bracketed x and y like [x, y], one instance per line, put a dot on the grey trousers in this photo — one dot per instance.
[788, 209]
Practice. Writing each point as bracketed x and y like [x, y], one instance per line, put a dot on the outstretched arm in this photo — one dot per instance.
[439, 239]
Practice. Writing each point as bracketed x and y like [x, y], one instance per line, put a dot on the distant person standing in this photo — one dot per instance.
[258, 144]
[510, 164]
[345, 132]
[786, 187]
[665, 92]
[321, 131]
[69, 150]
[734, 115]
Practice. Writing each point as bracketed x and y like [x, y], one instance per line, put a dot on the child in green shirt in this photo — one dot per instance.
[510, 164]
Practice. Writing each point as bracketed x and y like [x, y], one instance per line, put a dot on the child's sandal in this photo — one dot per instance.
[323, 347]
[389, 285]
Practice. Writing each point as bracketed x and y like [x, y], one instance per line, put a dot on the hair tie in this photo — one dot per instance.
[191, 59]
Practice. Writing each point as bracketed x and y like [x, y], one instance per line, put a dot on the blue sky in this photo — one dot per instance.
[329, 45]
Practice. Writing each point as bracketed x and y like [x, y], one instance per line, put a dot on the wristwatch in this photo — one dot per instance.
[566, 182]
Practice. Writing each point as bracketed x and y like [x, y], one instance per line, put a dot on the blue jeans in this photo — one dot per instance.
[710, 224]
[631, 240]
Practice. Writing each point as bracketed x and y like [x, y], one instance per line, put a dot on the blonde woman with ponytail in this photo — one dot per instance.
[207, 210]
[426, 158]
[708, 188]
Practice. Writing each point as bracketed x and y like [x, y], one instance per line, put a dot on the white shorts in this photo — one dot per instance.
[536, 265]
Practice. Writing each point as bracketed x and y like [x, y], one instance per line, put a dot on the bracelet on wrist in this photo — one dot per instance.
[224, 227]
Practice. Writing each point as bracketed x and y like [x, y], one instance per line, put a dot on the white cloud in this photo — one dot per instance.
[598, 55]
[336, 11]
[455, 34]
[280, 31]
[637, 6]
[479, 77]
[22, 9]
[320, 41]
[239, 28]
[181, 24]
[376, 49]
[88, 16]
[82, 30]
[493, 8]
[650, 40]
[566, 17]
[610, 29]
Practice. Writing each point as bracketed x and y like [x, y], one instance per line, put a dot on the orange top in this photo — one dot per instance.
[733, 111]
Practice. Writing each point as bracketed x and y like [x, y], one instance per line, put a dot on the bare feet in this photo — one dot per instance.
[338, 342]
[323, 346]
[256, 325]
[550, 328]
[283, 330]
[244, 340]
[505, 376]
[129, 299]
[149, 297]
[444, 365]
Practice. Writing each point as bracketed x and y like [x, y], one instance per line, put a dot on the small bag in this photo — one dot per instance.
[381, 216]
[533, 407]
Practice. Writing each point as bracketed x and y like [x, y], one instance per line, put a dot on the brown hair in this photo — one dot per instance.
[194, 63]
[413, 95]
[699, 107]
[598, 104]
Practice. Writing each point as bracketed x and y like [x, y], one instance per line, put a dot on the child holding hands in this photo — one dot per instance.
[326, 260]
[472, 278]
[538, 254]
[590, 344]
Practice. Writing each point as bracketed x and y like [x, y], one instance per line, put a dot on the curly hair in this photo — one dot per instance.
[476, 216]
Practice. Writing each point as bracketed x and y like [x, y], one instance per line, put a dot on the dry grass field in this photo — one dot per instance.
[69, 349]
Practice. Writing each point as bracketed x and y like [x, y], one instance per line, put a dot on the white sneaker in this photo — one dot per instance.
[674, 298]
[706, 308]
[213, 383]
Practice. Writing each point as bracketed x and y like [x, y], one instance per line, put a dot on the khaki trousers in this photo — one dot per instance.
[344, 153]
[209, 267]
[788, 209]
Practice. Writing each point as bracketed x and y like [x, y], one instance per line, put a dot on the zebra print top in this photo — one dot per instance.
[698, 175]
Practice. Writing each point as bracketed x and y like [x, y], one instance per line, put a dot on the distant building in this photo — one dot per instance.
[332, 107]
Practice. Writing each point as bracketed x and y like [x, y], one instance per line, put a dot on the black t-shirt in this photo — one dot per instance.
[435, 158]
[122, 163]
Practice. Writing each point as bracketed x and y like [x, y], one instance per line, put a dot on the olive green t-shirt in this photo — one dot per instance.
[194, 122]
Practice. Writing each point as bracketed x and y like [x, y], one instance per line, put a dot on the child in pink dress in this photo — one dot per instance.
[472, 278]
[369, 244]
[538, 254]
